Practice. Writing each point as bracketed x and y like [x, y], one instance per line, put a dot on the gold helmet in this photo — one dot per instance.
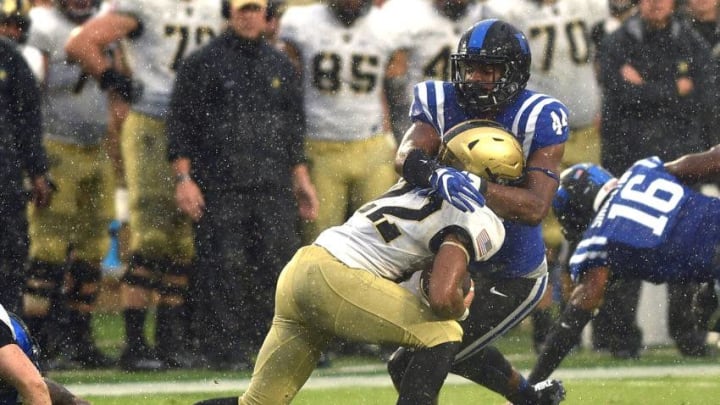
[484, 148]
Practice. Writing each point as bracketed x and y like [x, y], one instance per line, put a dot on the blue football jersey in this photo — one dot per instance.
[20, 336]
[654, 228]
[538, 121]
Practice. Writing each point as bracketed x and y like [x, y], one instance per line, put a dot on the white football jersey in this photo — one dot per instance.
[561, 47]
[75, 110]
[343, 69]
[400, 232]
[171, 30]
[428, 36]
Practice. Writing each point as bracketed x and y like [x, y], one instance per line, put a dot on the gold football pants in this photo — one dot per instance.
[318, 298]
[158, 230]
[346, 175]
[80, 210]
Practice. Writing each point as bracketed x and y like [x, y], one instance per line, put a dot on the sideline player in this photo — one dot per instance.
[68, 238]
[158, 35]
[344, 55]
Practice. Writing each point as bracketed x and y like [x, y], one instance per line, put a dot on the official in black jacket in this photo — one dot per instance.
[236, 129]
[21, 155]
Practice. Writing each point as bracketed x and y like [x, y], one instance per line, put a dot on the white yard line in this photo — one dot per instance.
[381, 380]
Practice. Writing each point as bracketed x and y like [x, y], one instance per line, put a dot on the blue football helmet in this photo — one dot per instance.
[22, 337]
[490, 42]
[583, 188]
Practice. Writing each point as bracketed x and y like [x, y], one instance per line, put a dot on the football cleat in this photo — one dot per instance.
[549, 392]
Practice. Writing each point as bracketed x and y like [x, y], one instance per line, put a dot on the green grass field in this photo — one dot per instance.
[686, 391]
[661, 376]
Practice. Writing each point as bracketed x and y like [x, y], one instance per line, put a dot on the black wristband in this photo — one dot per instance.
[122, 84]
[564, 336]
[418, 168]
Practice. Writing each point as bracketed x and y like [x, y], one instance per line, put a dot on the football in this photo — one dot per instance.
[425, 283]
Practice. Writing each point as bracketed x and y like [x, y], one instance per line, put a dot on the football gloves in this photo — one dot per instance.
[459, 188]
[125, 86]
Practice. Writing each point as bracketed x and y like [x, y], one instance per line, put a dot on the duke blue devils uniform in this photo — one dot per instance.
[538, 121]
[346, 285]
[12, 331]
[653, 228]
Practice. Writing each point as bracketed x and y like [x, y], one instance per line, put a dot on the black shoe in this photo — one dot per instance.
[182, 360]
[140, 359]
[324, 361]
[549, 392]
[90, 357]
[626, 354]
[230, 365]
[59, 363]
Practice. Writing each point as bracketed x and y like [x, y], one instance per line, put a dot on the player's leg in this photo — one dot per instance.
[172, 321]
[499, 305]
[359, 306]
[51, 231]
[137, 285]
[375, 173]
[156, 225]
[328, 162]
[94, 212]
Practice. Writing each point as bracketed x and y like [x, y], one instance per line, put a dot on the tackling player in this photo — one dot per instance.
[646, 225]
[159, 33]
[558, 33]
[346, 283]
[489, 73]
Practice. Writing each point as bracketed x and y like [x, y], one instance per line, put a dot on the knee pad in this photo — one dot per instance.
[173, 285]
[84, 275]
[43, 286]
[132, 277]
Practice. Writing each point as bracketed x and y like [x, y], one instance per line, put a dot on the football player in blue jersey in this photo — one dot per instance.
[19, 374]
[489, 73]
[647, 225]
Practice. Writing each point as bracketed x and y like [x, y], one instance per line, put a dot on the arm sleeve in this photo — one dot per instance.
[563, 337]
[27, 119]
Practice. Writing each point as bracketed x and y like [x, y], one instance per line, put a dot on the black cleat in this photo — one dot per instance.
[140, 359]
[549, 392]
[92, 358]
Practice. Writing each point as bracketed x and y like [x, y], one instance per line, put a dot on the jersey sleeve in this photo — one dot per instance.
[482, 227]
[591, 252]
[40, 34]
[435, 103]
[546, 123]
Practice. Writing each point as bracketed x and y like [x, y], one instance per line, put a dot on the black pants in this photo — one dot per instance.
[13, 253]
[243, 241]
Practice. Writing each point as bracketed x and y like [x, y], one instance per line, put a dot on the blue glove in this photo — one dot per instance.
[459, 188]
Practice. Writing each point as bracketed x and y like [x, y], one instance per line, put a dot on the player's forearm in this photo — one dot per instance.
[561, 340]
